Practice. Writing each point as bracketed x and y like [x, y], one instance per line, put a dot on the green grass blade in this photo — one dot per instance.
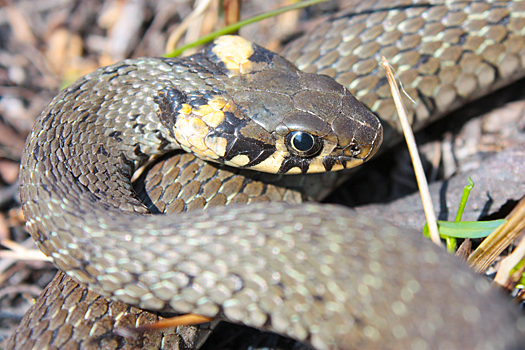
[466, 229]
[464, 198]
[233, 27]
[451, 241]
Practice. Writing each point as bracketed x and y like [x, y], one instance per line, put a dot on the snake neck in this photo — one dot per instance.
[99, 130]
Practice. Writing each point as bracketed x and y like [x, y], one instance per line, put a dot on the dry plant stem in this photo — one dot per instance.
[184, 320]
[498, 240]
[509, 262]
[13, 245]
[416, 161]
[20, 26]
[464, 250]
[19, 252]
[29, 254]
[232, 12]
[198, 26]
[513, 280]
[177, 33]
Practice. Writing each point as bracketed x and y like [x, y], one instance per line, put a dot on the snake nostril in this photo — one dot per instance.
[355, 149]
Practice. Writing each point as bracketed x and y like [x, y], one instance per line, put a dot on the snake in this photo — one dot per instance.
[321, 274]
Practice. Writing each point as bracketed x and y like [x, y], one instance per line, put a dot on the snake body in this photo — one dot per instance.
[320, 274]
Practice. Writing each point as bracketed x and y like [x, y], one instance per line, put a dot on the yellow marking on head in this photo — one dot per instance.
[240, 160]
[197, 152]
[210, 154]
[197, 142]
[316, 163]
[217, 103]
[181, 139]
[190, 131]
[317, 166]
[272, 164]
[198, 128]
[294, 170]
[181, 130]
[353, 163]
[216, 144]
[206, 155]
[214, 118]
[229, 107]
[335, 167]
[187, 148]
[202, 110]
[328, 148]
[234, 52]
[186, 109]
[280, 147]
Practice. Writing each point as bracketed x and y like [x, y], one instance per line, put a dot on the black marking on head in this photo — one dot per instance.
[255, 150]
[292, 162]
[261, 55]
[209, 58]
[197, 101]
[232, 119]
[210, 96]
[328, 163]
[230, 124]
[170, 101]
[225, 128]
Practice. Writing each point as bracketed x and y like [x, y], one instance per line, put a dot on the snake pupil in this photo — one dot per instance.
[303, 143]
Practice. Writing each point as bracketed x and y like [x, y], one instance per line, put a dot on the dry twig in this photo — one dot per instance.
[416, 161]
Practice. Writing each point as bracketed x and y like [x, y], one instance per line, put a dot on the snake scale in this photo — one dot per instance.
[320, 274]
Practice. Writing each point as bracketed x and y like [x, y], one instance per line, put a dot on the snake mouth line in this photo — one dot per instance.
[340, 162]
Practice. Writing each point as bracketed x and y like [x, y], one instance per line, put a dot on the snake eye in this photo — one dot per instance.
[303, 144]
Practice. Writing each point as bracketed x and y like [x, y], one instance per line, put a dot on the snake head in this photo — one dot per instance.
[278, 119]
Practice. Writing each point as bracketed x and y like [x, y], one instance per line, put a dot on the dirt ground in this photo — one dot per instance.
[45, 45]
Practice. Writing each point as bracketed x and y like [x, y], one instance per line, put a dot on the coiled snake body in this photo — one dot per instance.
[320, 274]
